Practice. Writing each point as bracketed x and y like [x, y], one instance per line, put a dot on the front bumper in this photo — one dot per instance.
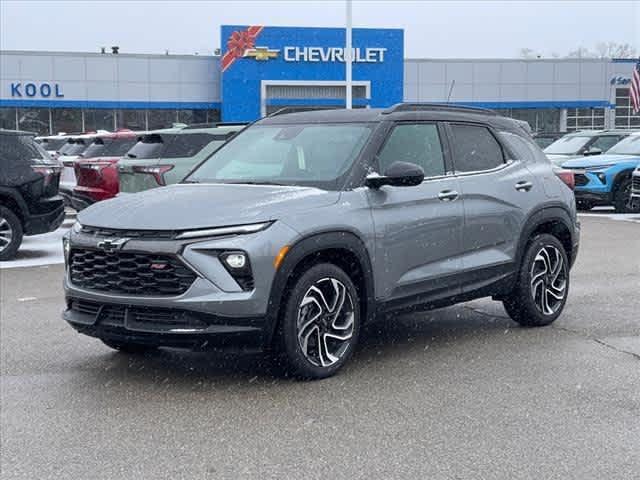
[164, 327]
[221, 310]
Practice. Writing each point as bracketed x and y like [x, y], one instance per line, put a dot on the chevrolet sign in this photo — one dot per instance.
[333, 54]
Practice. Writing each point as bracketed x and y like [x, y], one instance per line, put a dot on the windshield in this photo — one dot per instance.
[150, 146]
[73, 148]
[628, 146]
[109, 147]
[53, 144]
[568, 145]
[22, 148]
[314, 155]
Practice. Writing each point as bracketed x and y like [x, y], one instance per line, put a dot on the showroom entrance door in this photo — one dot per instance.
[303, 94]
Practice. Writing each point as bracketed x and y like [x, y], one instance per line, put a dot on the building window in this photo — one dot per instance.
[34, 120]
[132, 119]
[98, 119]
[539, 119]
[213, 116]
[8, 118]
[585, 119]
[624, 112]
[161, 118]
[67, 120]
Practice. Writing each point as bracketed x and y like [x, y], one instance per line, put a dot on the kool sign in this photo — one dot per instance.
[41, 89]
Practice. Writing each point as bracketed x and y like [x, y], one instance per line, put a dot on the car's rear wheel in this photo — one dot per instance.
[623, 202]
[320, 324]
[128, 347]
[10, 234]
[542, 286]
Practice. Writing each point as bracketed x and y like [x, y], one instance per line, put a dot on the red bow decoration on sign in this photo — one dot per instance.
[239, 42]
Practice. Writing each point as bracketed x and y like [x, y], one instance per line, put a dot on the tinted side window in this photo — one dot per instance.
[604, 143]
[475, 149]
[21, 148]
[187, 145]
[415, 143]
[521, 148]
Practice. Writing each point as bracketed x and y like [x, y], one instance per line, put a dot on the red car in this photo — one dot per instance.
[97, 175]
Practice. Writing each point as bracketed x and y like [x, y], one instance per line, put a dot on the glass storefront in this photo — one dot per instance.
[45, 121]
[625, 118]
[540, 119]
[585, 119]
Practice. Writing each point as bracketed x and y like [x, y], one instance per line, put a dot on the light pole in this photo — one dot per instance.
[348, 59]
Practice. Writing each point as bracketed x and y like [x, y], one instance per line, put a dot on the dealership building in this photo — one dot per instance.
[262, 69]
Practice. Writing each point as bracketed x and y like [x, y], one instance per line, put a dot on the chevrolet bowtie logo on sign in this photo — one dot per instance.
[261, 53]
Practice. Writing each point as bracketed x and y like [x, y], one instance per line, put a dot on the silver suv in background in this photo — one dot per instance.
[583, 144]
[306, 226]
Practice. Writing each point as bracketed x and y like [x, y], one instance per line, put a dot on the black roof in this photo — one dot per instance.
[400, 112]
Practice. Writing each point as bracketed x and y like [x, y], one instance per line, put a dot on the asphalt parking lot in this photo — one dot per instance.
[461, 392]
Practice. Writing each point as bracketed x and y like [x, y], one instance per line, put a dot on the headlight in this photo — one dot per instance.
[76, 227]
[66, 249]
[219, 231]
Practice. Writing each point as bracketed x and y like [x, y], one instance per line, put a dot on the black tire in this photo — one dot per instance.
[622, 198]
[10, 230]
[319, 361]
[584, 205]
[128, 347]
[533, 304]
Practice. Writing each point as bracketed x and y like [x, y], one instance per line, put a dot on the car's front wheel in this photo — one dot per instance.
[321, 322]
[623, 202]
[542, 285]
[10, 234]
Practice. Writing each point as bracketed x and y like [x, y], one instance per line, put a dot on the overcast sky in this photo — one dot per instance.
[432, 29]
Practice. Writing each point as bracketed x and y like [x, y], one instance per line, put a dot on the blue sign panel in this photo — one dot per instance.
[257, 58]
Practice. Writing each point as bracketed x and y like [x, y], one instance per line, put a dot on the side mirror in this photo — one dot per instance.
[592, 151]
[399, 174]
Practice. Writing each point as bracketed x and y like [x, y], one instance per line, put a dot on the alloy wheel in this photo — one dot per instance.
[6, 234]
[548, 280]
[325, 323]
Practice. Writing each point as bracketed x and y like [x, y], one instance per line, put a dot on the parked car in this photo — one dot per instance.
[165, 157]
[583, 144]
[29, 200]
[635, 188]
[52, 144]
[305, 226]
[97, 177]
[606, 179]
[68, 154]
[544, 139]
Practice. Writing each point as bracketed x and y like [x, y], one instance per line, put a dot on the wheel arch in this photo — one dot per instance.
[12, 201]
[555, 220]
[621, 176]
[342, 248]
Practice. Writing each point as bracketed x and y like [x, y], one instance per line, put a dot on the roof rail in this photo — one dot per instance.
[445, 107]
[284, 110]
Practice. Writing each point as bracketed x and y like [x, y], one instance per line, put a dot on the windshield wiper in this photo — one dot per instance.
[252, 182]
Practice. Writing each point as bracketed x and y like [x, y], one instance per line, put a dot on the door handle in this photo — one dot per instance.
[523, 186]
[448, 195]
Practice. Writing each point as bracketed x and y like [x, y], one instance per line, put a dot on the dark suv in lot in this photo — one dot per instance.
[29, 200]
[305, 226]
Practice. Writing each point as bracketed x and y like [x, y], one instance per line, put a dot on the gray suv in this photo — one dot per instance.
[306, 226]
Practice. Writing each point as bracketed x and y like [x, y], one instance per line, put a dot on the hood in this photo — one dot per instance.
[598, 160]
[558, 159]
[187, 206]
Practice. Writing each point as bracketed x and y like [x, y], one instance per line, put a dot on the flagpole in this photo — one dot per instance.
[348, 59]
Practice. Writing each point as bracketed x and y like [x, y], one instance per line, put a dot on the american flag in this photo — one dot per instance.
[634, 91]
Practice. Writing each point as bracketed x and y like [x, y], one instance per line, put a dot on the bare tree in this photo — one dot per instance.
[601, 50]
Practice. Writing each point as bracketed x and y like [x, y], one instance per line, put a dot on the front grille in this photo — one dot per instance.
[137, 318]
[635, 184]
[129, 273]
[580, 179]
[112, 232]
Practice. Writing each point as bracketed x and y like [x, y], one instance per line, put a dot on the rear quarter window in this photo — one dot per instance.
[15, 148]
[522, 149]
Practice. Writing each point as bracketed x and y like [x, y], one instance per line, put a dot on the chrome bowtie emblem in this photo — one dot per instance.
[111, 245]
